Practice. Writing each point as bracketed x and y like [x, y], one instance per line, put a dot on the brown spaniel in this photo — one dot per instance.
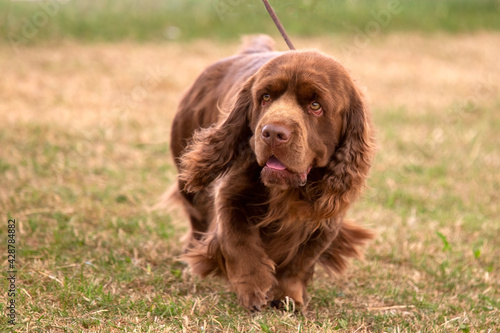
[272, 148]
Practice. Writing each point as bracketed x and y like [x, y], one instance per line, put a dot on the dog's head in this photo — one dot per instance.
[301, 103]
[301, 113]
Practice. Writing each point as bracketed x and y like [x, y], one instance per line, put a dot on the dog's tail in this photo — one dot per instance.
[348, 244]
[257, 44]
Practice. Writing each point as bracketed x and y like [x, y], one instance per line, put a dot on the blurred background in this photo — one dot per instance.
[159, 20]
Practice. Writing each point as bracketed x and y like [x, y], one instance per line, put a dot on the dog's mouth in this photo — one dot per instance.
[276, 173]
[275, 164]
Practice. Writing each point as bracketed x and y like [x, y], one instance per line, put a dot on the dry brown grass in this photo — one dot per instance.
[84, 134]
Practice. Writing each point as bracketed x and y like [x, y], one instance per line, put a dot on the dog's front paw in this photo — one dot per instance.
[290, 294]
[252, 296]
[253, 283]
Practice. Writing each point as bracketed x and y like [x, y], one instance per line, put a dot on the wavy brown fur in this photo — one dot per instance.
[265, 176]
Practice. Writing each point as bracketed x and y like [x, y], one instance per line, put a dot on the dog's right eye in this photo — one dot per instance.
[265, 98]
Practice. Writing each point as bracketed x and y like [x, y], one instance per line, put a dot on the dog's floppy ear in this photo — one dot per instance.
[348, 168]
[212, 149]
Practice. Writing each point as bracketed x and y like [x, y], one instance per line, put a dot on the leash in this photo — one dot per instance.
[277, 22]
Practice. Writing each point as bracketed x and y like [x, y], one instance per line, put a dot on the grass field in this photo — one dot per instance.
[84, 156]
[32, 21]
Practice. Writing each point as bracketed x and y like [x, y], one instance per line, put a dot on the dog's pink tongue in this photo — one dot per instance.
[274, 163]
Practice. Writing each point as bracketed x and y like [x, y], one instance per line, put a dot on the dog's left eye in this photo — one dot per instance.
[316, 109]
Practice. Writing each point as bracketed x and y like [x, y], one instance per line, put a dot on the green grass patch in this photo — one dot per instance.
[29, 22]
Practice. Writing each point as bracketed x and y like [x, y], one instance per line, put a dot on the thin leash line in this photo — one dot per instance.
[278, 24]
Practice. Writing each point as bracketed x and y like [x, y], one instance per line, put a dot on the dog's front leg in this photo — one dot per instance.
[247, 266]
[249, 270]
[294, 277]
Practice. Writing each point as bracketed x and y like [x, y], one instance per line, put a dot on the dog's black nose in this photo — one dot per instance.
[275, 135]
